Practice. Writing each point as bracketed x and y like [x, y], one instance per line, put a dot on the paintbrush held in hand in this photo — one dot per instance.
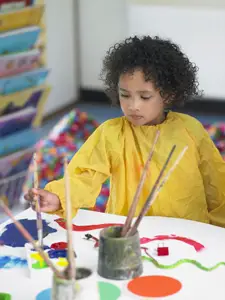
[132, 209]
[29, 238]
[157, 188]
[37, 203]
[71, 269]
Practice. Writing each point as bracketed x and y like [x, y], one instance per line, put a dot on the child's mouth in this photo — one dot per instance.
[134, 117]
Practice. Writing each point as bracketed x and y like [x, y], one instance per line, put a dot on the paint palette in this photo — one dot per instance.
[36, 264]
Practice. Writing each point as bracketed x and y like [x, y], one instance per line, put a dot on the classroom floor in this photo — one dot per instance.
[101, 113]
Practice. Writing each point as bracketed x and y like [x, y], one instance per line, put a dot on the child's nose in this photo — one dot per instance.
[134, 105]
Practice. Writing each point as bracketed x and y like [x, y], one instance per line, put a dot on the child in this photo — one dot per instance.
[146, 76]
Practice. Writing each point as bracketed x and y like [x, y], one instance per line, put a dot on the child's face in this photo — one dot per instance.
[140, 102]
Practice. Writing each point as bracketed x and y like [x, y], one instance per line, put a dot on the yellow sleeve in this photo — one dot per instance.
[212, 167]
[88, 170]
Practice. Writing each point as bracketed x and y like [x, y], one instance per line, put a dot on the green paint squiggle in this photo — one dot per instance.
[183, 261]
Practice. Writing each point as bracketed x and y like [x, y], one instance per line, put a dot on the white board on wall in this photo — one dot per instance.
[200, 33]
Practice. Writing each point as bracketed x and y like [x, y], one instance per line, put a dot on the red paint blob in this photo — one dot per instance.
[154, 286]
[61, 222]
[198, 247]
[144, 240]
[59, 246]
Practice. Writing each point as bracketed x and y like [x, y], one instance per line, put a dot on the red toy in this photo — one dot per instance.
[162, 251]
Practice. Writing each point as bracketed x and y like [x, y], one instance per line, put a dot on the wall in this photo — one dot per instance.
[196, 3]
[200, 32]
[101, 24]
[61, 53]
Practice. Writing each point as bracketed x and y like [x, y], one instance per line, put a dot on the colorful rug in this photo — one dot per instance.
[66, 138]
[217, 134]
[70, 134]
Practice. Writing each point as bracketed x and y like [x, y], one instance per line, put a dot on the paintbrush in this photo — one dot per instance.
[132, 209]
[146, 205]
[156, 189]
[71, 268]
[37, 204]
[29, 238]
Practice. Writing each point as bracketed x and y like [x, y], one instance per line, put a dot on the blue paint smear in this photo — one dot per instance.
[44, 295]
[13, 238]
[57, 253]
[9, 262]
[44, 248]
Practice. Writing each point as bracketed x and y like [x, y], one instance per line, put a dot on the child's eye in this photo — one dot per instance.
[146, 98]
[124, 96]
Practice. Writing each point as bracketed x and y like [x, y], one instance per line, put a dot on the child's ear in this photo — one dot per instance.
[168, 100]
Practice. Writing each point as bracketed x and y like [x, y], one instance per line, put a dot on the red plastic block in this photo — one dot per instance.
[162, 251]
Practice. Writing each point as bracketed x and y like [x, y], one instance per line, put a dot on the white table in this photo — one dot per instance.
[196, 284]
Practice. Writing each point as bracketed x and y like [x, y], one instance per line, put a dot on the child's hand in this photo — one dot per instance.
[49, 202]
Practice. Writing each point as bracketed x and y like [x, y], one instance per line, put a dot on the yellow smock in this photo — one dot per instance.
[119, 150]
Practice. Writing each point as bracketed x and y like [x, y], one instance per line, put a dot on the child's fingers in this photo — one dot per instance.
[42, 193]
[31, 196]
[33, 205]
[32, 193]
[43, 204]
[44, 207]
[27, 197]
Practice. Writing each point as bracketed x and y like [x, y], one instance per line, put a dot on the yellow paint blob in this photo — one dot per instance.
[62, 262]
[36, 256]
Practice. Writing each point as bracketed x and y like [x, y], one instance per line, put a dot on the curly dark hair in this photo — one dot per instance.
[161, 61]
